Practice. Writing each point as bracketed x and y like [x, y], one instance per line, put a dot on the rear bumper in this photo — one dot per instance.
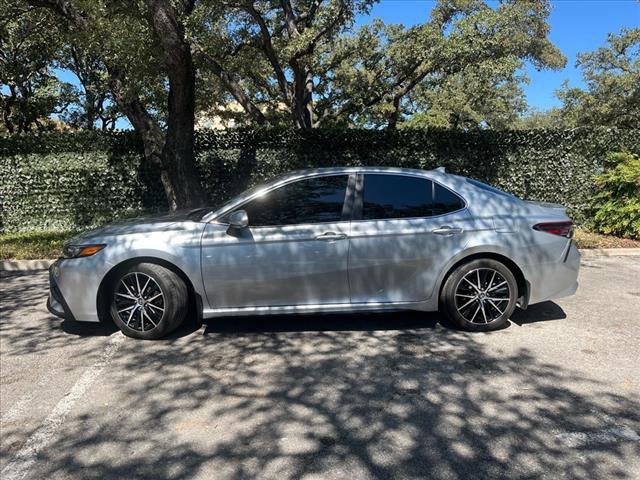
[554, 279]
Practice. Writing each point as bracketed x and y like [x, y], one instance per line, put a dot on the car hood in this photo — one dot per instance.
[147, 224]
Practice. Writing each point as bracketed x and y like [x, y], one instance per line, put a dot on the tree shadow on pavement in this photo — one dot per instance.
[359, 396]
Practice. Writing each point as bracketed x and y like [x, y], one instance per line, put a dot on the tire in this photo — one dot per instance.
[163, 305]
[498, 292]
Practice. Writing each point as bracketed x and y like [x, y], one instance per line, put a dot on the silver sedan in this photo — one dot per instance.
[324, 240]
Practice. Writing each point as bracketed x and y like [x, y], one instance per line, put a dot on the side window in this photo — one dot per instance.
[395, 196]
[312, 200]
[445, 201]
[399, 196]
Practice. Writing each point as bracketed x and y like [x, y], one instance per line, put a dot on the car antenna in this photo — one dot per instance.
[441, 170]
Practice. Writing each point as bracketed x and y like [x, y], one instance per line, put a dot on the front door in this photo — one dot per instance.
[294, 251]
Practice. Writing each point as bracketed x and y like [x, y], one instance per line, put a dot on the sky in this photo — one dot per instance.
[576, 26]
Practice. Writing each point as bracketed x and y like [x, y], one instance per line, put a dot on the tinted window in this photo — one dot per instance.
[398, 196]
[445, 201]
[395, 196]
[313, 200]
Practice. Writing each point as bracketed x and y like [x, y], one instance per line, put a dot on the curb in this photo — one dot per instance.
[24, 265]
[35, 265]
[609, 252]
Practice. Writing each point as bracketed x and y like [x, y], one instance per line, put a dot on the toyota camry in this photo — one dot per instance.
[324, 240]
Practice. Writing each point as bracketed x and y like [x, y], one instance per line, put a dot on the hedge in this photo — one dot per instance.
[82, 179]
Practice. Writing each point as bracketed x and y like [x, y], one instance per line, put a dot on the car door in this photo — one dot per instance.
[293, 252]
[405, 229]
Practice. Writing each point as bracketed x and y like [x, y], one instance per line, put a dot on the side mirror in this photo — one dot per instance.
[239, 219]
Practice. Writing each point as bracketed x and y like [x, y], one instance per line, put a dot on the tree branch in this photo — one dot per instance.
[270, 52]
[309, 49]
[231, 85]
[142, 121]
[308, 16]
[290, 18]
[65, 9]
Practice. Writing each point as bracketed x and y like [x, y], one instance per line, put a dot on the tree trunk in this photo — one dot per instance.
[395, 113]
[179, 173]
[303, 96]
[178, 167]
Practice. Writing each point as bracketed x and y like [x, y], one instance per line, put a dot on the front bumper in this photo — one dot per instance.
[56, 303]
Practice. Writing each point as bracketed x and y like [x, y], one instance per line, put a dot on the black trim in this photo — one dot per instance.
[55, 292]
[349, 199]
[357, 204]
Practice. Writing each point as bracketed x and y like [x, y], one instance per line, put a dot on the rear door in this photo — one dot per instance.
[404, 231]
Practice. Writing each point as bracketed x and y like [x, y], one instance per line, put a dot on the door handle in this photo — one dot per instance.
[331, 236]
[447, 230]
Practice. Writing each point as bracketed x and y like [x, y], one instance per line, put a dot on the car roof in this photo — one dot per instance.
[360, 169]
[436, 174]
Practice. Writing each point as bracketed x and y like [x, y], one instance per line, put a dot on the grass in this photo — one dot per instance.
[587, 239]
[36, 245]
[33, 245]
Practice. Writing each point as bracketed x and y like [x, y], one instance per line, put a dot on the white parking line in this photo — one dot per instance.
[26, 456]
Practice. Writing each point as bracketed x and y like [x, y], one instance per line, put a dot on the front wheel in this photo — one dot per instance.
[148, 301]
[480, 295]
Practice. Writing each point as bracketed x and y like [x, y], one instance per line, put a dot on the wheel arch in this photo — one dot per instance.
[524, 287]
[102, 302]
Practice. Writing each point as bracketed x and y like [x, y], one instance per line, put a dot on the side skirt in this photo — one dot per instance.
[327, 308]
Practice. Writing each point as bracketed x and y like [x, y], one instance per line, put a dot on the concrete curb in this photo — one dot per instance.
[609, 252]
[35, 265]
[24, 265]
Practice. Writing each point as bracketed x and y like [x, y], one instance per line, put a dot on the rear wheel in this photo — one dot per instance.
[148, 301]
[480, 295]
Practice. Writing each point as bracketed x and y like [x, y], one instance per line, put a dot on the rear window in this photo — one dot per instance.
[445, 201]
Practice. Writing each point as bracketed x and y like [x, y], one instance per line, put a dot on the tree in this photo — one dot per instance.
[612, 78]
[301, 54]
[536, 119]
[94, 105]
[484, 96]
[461, 37]
[143, 46]
[29, 44]
[284, 60]
[264, 52]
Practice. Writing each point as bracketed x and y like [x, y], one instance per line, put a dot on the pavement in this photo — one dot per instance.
[556, 394]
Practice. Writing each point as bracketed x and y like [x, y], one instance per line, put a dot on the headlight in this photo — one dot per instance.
[75, 251]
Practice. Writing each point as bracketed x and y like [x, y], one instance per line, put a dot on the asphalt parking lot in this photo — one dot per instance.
[554, 395]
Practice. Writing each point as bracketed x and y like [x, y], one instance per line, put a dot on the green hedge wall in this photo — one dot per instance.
[71, 180]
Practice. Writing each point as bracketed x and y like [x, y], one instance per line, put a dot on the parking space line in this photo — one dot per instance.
[26, 456]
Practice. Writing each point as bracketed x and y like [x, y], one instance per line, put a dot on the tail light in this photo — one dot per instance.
[564, 229]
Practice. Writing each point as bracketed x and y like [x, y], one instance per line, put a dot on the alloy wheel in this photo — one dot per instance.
[139, 301]
[482, 296]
